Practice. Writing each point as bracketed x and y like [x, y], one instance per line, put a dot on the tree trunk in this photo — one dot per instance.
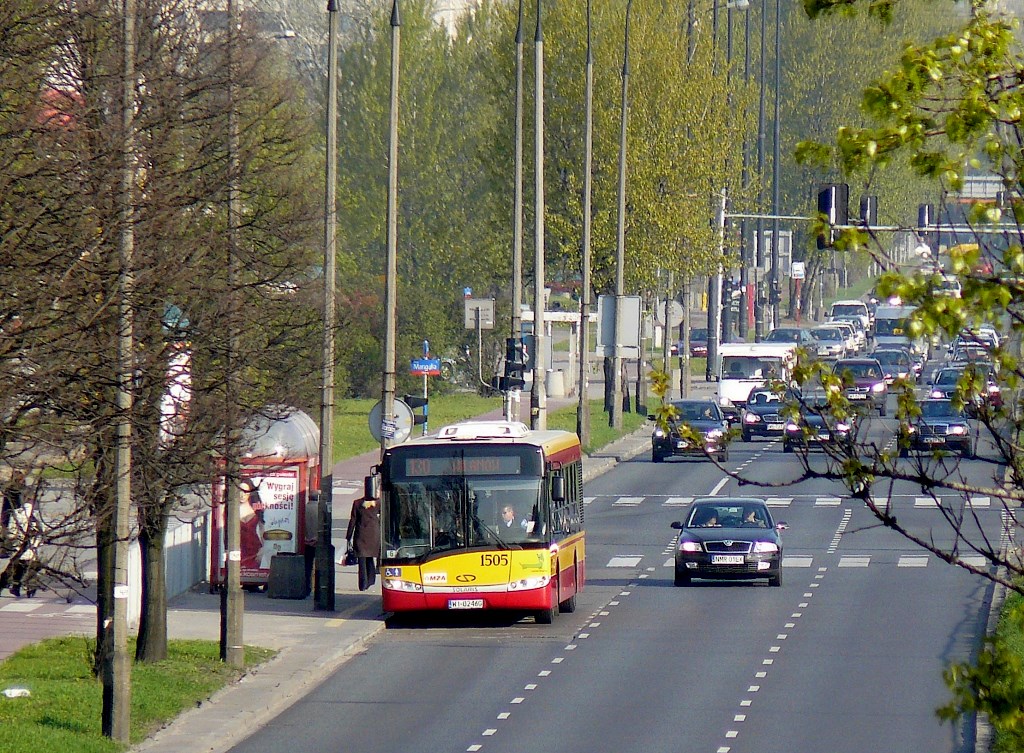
[152, 641]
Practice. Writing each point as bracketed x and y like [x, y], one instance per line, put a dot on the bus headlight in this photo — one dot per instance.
[395, 584]
[527, 584]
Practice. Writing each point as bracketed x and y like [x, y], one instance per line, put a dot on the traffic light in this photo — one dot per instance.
[414, 402]
[869, 210]
[833, 202]
[515, 365]
[925, 216]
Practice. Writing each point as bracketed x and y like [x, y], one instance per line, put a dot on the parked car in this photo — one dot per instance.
[703, 418]
[864, 381]
[761, 416]
[940, 427]
[728, 538]
[813, 426]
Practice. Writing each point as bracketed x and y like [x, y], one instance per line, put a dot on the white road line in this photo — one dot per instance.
[797, 561]
[925, 502]
[718, 486]
[778, 501]
[81, 609]
[630, 501]
[828, 502]
[855, 561]
[588, 500]
[979, 502]
[912, 560]
[21, 606]
[678, 501]
[625, 561]
[974, 560]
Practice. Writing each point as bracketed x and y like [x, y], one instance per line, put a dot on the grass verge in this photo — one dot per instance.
[1011, 630]
[601, 433]
[63, 712]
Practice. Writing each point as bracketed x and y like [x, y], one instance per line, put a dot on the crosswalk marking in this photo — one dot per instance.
[913, 560]
[631, 501]
[778, 501]
[21, 606]
[925, 502]
[975, 560]
[588, 500]
[82, 609]
[854, 561]
[678, 501]
[628, 561]
[828, 502]
[797, 561]
[979, 502]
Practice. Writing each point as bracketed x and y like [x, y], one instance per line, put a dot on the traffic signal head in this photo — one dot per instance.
[833, 202]
[414, 402]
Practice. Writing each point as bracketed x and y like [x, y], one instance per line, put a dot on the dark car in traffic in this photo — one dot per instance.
[762, 414]
[699, 429]
[728, 538]
[980, 377]
[896, 364]
[698, 344]
[814, 425]
[942, 426]
[864, 382]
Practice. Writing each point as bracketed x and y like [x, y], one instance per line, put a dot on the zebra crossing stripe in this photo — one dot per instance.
[925, 502]
[828, 502]
[21, 606]
[778, 501]
[912, 560]
[797, 561]
[975, 560]
[631, 560]
[979, 502]
[855, 561]
[588, 500]
[631, 501]
[678, 501]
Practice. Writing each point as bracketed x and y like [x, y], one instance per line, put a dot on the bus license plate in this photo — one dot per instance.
[465, 603]
[726, 559]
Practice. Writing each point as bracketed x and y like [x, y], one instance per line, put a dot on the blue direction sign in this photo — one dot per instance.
[425, 366]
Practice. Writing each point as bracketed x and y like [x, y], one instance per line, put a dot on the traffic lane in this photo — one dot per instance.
[655, 671]
[862, 667]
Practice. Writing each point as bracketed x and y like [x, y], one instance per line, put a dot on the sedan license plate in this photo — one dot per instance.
[857, 396]
[774, 427]
[726, 559]
[934, 440]
[465, 603]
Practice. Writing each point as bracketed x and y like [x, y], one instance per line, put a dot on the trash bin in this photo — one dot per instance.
[287, 578]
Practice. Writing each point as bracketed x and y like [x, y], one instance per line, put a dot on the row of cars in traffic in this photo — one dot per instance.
[946, 422]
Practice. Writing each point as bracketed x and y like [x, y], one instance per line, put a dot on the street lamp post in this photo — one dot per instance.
[517, 208]
[615, 419]
[538, 393]
[583, 408]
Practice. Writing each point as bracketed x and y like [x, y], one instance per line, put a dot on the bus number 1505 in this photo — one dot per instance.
[494, 560]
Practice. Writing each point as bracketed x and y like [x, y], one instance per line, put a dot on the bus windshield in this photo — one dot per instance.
[443, 513]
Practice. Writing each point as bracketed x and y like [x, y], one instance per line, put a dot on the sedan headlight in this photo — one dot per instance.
[714, 434]
[936, 393]
[880, 387]
[689, 546]
[957, 429]
[842, 427]
[764, 547]
[751, 418]
[792, 428]
[659, 434]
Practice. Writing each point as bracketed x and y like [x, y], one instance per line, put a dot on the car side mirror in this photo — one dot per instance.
[678, 525]
[781, 526]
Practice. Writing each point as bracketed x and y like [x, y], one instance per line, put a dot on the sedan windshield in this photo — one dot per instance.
[939, 409]
[826, 334]
[730, 514]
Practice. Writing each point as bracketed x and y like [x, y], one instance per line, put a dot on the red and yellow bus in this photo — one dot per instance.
[483, 515]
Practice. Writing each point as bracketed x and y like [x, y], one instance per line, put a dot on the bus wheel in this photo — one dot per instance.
[546, 616]
[568, 606]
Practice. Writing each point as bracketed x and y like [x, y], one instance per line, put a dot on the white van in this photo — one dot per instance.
[744, 366]
[858, 309]
[892, 329]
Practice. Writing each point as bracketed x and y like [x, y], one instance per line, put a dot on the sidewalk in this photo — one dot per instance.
[311, 644]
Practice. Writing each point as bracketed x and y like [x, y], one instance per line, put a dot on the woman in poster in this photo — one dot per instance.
[251, 519]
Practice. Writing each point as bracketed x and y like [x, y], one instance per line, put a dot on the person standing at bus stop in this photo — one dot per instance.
[363, 536]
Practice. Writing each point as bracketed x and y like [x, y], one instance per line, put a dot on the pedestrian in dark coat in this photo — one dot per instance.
[14, 493]
[363, 536]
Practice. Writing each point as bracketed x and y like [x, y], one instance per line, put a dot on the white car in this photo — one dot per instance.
[852, 344]
[858, 330]
[851, 308]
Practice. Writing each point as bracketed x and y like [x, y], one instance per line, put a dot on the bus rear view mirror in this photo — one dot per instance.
[558, 488]
[371, 487]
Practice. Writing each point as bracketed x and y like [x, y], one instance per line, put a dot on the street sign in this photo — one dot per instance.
[397, 429]
[425, 366]
[485, 308]
[798, 270]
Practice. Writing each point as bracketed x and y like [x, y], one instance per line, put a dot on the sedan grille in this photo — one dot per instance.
[727, 547]
[932, 430]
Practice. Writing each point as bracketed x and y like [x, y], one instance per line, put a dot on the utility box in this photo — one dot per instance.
[287, 579]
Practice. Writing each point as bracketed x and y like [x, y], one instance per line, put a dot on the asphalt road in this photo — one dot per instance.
[846, 656]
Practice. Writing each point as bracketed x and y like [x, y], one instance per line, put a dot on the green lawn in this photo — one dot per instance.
[62, 714]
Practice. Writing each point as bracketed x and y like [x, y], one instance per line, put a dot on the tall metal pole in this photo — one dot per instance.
[775, 283]
[232, 607]
[744, 324]
[759, 325]
[517, 220]
[116, 669]
[615, 420]
[583, 409]
[538, 393]
[391, 269]
[324, 558]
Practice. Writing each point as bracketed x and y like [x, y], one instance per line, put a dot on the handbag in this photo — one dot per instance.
[350, 558]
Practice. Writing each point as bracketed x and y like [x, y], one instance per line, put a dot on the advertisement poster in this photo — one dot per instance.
[269, 518]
